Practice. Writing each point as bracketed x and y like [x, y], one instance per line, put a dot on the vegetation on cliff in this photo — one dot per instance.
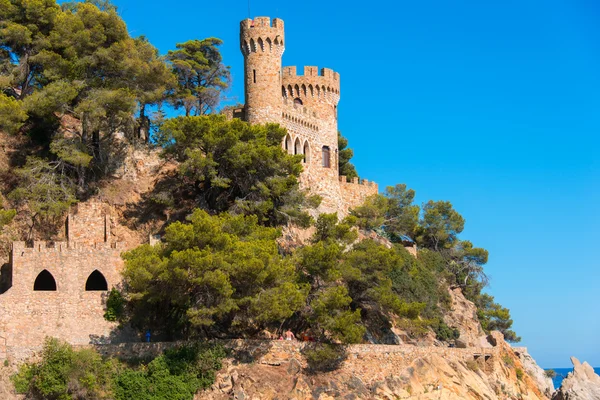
[64, 373]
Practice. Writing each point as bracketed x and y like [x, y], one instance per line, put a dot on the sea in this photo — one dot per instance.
[561, 373]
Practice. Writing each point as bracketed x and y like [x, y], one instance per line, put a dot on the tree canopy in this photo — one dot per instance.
[238, 167]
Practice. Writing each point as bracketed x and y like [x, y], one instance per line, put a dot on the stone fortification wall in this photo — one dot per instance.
[59, 289]
[354, 193]
[279, 351]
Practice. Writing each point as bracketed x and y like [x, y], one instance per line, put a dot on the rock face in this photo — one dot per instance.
[535, 371]
[278, 370]
[581, 384]
[463, 316]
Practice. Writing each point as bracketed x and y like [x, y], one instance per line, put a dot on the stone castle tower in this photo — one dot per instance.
[305, 104]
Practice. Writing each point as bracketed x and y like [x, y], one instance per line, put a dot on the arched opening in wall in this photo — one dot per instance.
[44, 282]
[297, 90]
[254, 75]
[306, 152]
[288, 144]
[283, 92]
[297, 147]
[335, 111]
[252, 46]
[96, 281]
[303, 89]
[298, 101]
[261, 44]
[270, 44]
[326, 155]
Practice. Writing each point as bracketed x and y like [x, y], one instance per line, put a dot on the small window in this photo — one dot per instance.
[297, 147]
[96, 281]
[326, 157]
[44, 282]
[298, 101]
[254, 75]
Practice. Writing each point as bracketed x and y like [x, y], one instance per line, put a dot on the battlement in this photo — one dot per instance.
[39, 246]
[261, 23]
[323, 83]
[259, 35]
[357, 181]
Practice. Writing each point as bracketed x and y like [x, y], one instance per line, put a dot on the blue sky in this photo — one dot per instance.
[494, 106]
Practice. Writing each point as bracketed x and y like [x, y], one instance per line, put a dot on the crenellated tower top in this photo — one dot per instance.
[323, 85]
[259, 35]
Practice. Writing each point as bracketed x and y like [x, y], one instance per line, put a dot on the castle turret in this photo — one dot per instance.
[262, 45]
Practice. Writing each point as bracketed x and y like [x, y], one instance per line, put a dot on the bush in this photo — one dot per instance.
[64, 373]
[550, 373]
[519, 373]
[472, 365]
[507, 360]
[443, 332]
[67, 374]
[115, 306]
[324, 357]
[177, 374]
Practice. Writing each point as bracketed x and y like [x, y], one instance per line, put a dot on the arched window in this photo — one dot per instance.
[298, 101]
[306, 152]
[96, 281]
[44, 282]
[326, 154]
[297, 147]
[288, 144]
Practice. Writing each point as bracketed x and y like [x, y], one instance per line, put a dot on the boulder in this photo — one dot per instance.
[581, 384]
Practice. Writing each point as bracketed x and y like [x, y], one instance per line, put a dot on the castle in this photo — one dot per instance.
[306, 105]
[59, 289]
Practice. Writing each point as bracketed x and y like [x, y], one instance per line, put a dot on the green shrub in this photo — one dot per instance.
[508, 360]
[115, 306]
[443, 332]
[550, 373]
[324, 357]
[176, 375]
[519, 373]
[472, 365]
[65, 374]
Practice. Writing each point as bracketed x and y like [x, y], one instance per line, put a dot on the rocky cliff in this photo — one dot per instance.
[277, 370]
[581, 384]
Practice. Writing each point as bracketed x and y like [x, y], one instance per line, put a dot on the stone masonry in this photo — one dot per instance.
[305, 104]
[58, 289]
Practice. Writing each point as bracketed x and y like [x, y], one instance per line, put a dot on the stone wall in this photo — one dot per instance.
[69, 312]
[354, 193]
